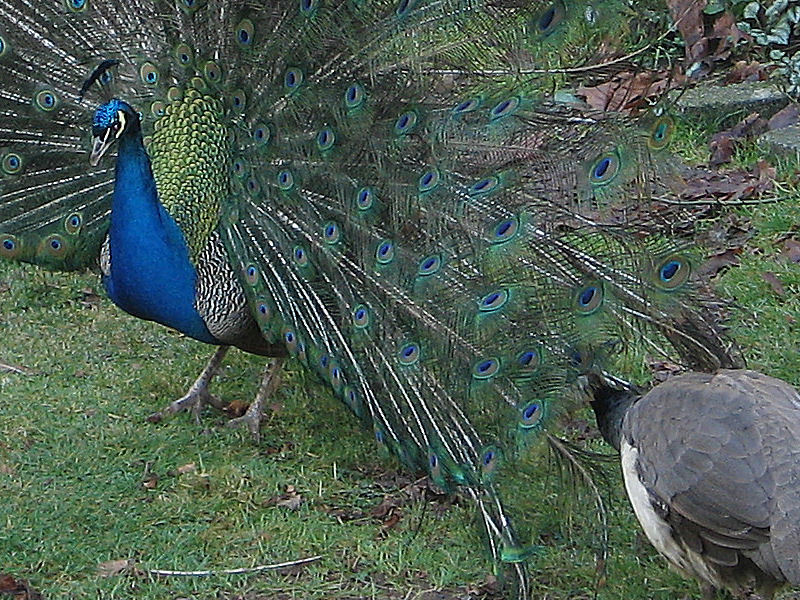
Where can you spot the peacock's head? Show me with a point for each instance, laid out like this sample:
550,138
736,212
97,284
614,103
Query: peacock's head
111,121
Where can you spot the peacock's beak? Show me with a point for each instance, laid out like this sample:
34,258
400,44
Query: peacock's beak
100,145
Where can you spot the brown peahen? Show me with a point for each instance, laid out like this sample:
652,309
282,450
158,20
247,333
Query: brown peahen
373,187
712,468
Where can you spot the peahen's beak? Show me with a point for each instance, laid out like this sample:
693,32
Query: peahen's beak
100,145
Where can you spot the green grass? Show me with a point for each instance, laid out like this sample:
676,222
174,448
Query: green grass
76,450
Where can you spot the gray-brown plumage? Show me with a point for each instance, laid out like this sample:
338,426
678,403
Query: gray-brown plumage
712,468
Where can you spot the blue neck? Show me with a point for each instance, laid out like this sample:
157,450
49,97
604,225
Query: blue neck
151,274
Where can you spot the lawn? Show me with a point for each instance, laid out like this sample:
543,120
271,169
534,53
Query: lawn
86,481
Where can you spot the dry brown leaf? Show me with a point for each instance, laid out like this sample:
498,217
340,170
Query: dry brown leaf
787,116
791,250
236,409
19,589
187,468
114,568
291,499
774,282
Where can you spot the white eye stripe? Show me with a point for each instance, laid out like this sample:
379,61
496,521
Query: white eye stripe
122,123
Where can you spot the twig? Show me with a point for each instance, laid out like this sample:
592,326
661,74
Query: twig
258,569
13,369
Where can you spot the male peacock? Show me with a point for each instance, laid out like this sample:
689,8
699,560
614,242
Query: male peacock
372,187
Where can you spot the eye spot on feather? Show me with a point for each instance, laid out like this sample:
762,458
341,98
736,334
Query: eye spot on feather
504,230
484,186
3,46
365,198
212,72
251,274
529,360
325,139
430,265
361,316
10,246
245,32
661,133
409,354
189,6
331,232
504,108
238,101
300,256
673,272
53,245
354,96
589,299
183,54
285,180
73,223
604,170
404,7
550,18
263,311
429,180
493,301
405,123
486,369
384,253
149,74
293,79
262,134
335,377
467,106
12,163
76,6
531,414
308,7
46,100
490,462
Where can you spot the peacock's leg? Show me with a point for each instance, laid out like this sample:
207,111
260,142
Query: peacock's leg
197,396
255,412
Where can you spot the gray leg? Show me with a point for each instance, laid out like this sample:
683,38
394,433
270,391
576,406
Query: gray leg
198,396
255,412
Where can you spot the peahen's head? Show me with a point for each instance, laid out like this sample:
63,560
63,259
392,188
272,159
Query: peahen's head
112,120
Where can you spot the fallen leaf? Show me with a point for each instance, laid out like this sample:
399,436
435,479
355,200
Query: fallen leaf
114,568
717,262
291,499
775,283
723,143
627,91
791,250
236,408
747,71
786,117
187,468
19,588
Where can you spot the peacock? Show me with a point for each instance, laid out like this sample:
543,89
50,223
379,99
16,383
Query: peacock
381,190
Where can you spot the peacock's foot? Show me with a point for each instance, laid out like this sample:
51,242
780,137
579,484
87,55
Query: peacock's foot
255,412
197,397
